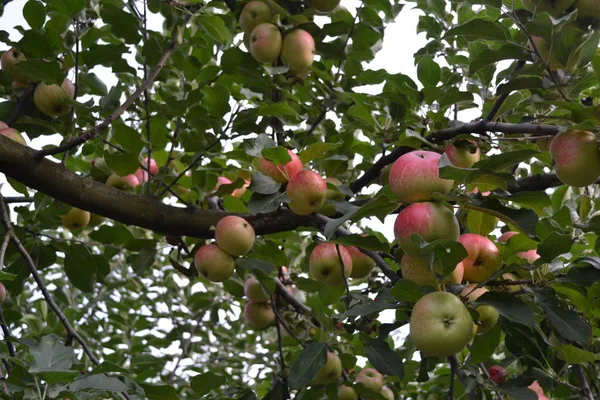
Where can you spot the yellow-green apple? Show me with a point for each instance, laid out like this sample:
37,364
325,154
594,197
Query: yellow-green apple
280,173
298,50
306,190
463,156
588,9
235,235
347,393
543,144
432,221
387,393
552,7
254,291
488,316
545,50
325,264
415,176
9,62
142,173
127,182
440,324
332,194
254,14
416,269
535,387
370,378
2,293
576,157
362,264
76,219
530,255
96,220
259,315
497,374
13,134
331,371
265,43
483,258
324,5
53,100
213,263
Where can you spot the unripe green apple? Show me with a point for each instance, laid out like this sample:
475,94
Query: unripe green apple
126,183
235,235
254,14
53,100
306,191
13,134
2,293
347,393
76,219
440,324
588,9
463,156
259,315
9,62
387,393
552,7
96,220
483,258
325,265
298,50
432,221
213,263
416,269
576,158
331,371
362,264
371,379
280,173
545,49
254,291
265,43
324,6
488,316
415,176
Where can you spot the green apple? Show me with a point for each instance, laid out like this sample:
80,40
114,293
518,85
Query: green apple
552,7
324,6
588,9
254,14
265,43
53,100
13,134
362,264
9,61
331,371
235,235
347,393
464,153
488,316
325,265
483,258
306,190
213,263
371,379
280,173
298,51
254,291
259,315
416,269
76,219
576,158
126,183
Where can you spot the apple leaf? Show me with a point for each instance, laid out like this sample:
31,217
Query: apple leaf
575,355
510,306
406,290
384,358
38,70
202,384
306,366
370,243
554,245
98,382
260,203
277,155
483,346
263,184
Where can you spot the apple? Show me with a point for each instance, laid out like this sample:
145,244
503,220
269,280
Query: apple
2,293
588,9
127,182
76,219
332,194
254,14
552,7
371,379
416,269
387,393
280,173
9,62
543,144
362,264
142,173
545,50
576,157
331,371
497,374
488,316
324,6
213,263
265,43
13,134
235,235
483,257
432,221
415,176
535,387
298,50
530,255
254,291
306,191
96,220
347,393
53,100
259,315
440,324
508,288
3,125
325,265
239,192
463,156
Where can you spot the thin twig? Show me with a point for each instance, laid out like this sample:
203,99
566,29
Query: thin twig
280,321
348,295
6,332
3,248
275,305
496,107
18,199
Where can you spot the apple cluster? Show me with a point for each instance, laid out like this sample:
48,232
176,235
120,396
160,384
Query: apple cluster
259,310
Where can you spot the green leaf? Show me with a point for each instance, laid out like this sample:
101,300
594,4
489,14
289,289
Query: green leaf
159,392
479,29
116,234
279,109
6,276
370,243
554,245
361,114
516,244
406,290
483,346
575,355
34,13
510,306
444,255
263,184
508,51
128,138
122,24
94,85
80,269
70,8
306,366
505,160
254,148
216,28
50,354
252,264
316,151
98,382
481,223
277,155
122,163
384,359
38,70
428,72
568,323
520,83
204,383
53,377
143,260
260,204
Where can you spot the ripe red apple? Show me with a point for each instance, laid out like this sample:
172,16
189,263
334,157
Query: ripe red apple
254,14
440,324
213,263
259,315
2,293
588,9
416,269
332,194
432,221
127,182
325,265
462,156
576,157
530,255
9,62
142,174
324,6
53,100
235,235
362,264
347,393
280,173
497,374
387,393
76,219
265,43
331,371
415,176
535,386
306,191
254,291
483,257
545,50
298,50
552,7
13,134
488,316
371,379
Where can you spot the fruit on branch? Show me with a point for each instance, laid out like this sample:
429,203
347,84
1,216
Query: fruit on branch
13,134
440,324
259,315
235,235
535,387
127,183
549,57
239,192
332,194
371,379
306,191
298,50
280,173
576,158
362,264
387,393
488,316
213,263
463,153
530,255
142,173
2,293
497,374
325,265
265,43
331,371
415,176
347,393
76,219
254,291
324,6
416,269
254,14
552,7
54,100
96,220
9,62
483,257
588,9
507,277
432,221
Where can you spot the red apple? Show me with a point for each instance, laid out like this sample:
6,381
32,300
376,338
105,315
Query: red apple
576,157
325,265
362,264
213,263
239,192
306,191
347,393
127,182
9,61
280,173
483,257
298,50
462,156
142,174
235,235
535,387
265,43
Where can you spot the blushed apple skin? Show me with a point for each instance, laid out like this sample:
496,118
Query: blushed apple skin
554,8
13,134
254,291
576,158
432,221
52,100
530,255
347,393
370,378
9,61
142,174
254,14
415,176
362,264
387,393
588,9
213,263
127,182
535,386
76,219
488,315
259,315
239,192
325,266
298,50
483,257
416,269
2,293
331,371
306,191
461,156
280,173
265,43
235,235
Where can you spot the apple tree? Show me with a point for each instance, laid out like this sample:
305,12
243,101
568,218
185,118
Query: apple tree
199,200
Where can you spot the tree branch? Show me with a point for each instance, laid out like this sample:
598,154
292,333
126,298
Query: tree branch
585,387
498,104
17,110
